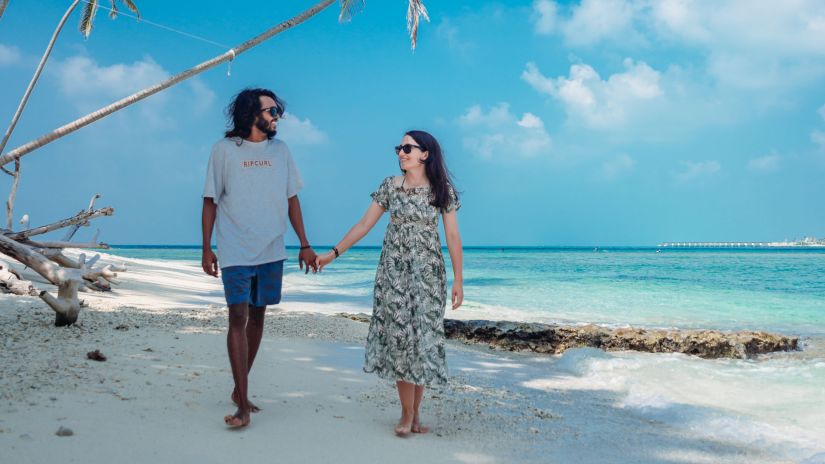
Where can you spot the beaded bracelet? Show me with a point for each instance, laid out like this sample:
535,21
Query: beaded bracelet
335,249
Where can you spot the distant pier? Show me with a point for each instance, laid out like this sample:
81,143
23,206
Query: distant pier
739,245
716,244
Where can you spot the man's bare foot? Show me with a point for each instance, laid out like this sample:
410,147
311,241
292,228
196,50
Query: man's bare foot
238,420
252,407
417,427
404,426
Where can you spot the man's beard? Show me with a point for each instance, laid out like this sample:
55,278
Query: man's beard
263,126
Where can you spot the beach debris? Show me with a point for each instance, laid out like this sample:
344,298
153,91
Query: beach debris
11,282
360,317
64,432
122,327
555,339
96,355
47,259
542,414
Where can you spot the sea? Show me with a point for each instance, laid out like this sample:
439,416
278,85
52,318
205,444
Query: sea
775,402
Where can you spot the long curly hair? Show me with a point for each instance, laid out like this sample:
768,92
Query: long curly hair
245,107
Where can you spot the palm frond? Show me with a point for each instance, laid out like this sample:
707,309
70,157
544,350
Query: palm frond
350,8
3,5
131,6
87,18
113,12
415,9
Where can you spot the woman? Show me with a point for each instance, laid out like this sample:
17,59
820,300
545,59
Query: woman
405,342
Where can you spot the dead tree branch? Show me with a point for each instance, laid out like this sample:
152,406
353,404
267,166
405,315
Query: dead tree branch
81,218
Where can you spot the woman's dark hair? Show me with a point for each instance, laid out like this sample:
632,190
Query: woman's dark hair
245,107
436,169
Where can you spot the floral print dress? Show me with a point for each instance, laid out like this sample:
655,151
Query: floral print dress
406,334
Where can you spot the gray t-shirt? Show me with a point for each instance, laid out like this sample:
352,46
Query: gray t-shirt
251,184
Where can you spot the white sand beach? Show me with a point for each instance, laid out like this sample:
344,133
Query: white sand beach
163,391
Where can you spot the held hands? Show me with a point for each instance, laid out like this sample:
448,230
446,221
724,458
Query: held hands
458,295
324,259
307,257
209,262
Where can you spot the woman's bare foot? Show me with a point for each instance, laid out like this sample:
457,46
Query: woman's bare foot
238,420
416,425
252,407
404,426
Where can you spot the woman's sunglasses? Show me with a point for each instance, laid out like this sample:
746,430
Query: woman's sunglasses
407,147
273,111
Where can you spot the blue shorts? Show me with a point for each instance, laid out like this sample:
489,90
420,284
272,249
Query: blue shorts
258,285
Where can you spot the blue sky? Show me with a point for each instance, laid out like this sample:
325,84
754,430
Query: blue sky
600,122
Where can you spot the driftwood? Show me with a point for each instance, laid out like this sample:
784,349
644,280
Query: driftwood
81,218
101,246
73,229
46,258
10,281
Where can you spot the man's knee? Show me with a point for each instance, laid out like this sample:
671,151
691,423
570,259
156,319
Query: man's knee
256,316
238,314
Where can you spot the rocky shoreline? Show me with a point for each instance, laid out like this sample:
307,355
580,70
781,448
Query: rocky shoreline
555,339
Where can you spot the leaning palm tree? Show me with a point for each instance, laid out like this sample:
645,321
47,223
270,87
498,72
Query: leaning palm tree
415,10
86,20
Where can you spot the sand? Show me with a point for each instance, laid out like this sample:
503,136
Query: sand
164,389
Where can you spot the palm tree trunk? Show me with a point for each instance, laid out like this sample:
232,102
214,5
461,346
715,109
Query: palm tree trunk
22,150
16,117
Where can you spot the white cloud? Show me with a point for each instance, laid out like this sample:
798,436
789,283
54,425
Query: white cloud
696,170
89,85
596,20
821,111
83,80
531,121
768,163
451,35
599,103
818,137
204,96
679,15
544,15
498,133
617,166
748,44
296,131
9,55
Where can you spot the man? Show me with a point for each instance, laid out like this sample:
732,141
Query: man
251,188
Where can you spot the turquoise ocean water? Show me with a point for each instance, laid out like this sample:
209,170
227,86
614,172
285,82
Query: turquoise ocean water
763,289
774,402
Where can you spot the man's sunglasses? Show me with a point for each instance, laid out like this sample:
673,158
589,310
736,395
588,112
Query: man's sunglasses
407,147
273,111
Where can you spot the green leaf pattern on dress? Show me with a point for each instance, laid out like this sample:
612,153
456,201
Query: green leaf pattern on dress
406,335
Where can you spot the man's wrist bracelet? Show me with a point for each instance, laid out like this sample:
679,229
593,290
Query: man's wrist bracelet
335,250
305,247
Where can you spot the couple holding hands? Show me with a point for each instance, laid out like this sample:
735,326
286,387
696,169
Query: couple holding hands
251,191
